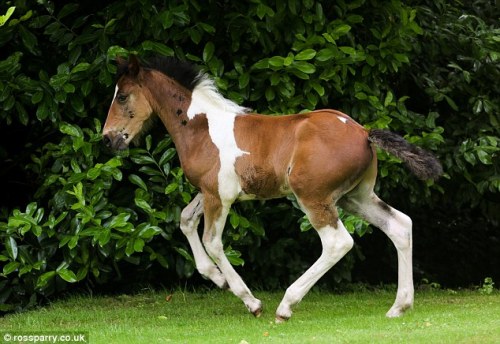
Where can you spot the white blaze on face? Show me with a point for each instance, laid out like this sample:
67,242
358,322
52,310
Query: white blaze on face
221,114
114,96
113,100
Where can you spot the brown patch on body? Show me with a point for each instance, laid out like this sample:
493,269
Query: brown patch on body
198,154
315,156
263,172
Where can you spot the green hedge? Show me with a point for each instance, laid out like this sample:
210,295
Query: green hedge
89,215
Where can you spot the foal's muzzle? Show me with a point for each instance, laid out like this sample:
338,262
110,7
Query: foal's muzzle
114,141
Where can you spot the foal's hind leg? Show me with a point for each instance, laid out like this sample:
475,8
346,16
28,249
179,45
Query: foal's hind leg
336,243
398,227
190,218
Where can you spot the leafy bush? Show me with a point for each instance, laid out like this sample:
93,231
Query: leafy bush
83,215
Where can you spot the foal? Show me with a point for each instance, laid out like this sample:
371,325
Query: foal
324,158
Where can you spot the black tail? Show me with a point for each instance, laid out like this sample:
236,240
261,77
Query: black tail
420,162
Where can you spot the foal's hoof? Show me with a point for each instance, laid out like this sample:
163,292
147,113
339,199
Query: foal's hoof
258,312
280,319
397,311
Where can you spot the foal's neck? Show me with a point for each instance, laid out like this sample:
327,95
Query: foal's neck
170,101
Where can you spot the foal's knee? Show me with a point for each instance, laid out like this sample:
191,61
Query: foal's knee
189,222
214,248
337,241
344,242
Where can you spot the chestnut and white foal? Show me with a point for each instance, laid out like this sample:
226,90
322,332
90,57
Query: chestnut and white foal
323,157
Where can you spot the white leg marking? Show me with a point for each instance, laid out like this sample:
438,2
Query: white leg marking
216,251
399,230
190,218
336,243
398,227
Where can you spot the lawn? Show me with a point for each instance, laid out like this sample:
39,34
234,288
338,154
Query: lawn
219,317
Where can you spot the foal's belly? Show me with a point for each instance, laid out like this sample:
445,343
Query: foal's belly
261,183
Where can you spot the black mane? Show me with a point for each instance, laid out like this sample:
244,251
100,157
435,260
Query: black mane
183,72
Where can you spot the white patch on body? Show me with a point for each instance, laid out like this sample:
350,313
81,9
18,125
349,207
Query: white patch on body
221,114
342,119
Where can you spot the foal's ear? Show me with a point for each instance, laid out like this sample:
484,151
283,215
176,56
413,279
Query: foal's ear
121,62
133,66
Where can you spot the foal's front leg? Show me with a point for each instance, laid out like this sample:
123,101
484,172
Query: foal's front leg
190,218
215,219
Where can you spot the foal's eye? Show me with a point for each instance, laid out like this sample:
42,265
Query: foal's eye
122,98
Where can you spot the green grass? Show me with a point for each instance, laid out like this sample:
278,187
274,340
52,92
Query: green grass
219,317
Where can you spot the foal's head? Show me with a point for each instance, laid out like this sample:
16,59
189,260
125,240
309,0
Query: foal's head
130,108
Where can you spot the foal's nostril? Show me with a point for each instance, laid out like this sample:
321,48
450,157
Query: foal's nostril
106,140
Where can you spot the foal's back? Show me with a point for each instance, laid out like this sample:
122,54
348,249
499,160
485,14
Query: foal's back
295,152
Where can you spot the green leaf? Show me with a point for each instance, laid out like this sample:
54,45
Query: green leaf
70,129
318,88
307,54
86,87
348,50
243,80
118,221
93,173
147,231
135,179
144,205
67,10
276,61
7,15
143,159
29,39
67,275
451,102
234,219
185,254
45,278
10,267
167,156
262,64
37,97
484,157
138,245
264,10
104,236
11,246
73,242
388,99
157,47
208,51
325,55
234,257
270,94
161,259
304,67
342,29
81,67
171,188
402,58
